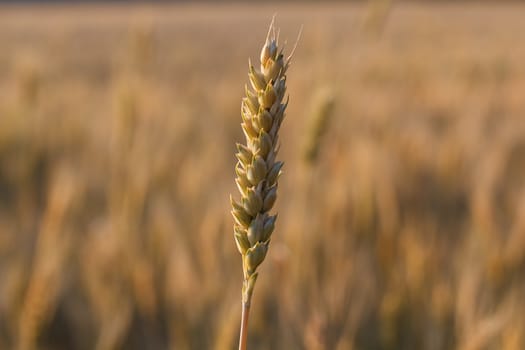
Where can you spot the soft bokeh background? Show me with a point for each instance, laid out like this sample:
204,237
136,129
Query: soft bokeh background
401,208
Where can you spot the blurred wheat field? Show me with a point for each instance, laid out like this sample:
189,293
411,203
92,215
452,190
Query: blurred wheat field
406,230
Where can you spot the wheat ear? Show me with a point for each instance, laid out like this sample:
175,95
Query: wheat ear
257,170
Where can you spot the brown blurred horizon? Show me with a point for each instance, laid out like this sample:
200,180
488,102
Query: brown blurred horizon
401,208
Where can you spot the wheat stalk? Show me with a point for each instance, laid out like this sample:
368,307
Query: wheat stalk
257,170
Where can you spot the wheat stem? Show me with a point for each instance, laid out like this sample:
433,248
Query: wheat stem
244,325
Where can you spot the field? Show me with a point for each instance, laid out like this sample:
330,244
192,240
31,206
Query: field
401,225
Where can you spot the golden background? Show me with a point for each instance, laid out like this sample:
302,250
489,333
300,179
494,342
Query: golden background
404,228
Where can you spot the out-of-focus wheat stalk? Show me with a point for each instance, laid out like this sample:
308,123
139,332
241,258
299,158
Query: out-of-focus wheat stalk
376,16
257,169
51,251
321,113
29,84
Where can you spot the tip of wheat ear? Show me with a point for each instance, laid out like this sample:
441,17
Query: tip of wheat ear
257,170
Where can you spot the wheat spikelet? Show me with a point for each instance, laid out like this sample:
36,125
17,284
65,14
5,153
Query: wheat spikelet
262,110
